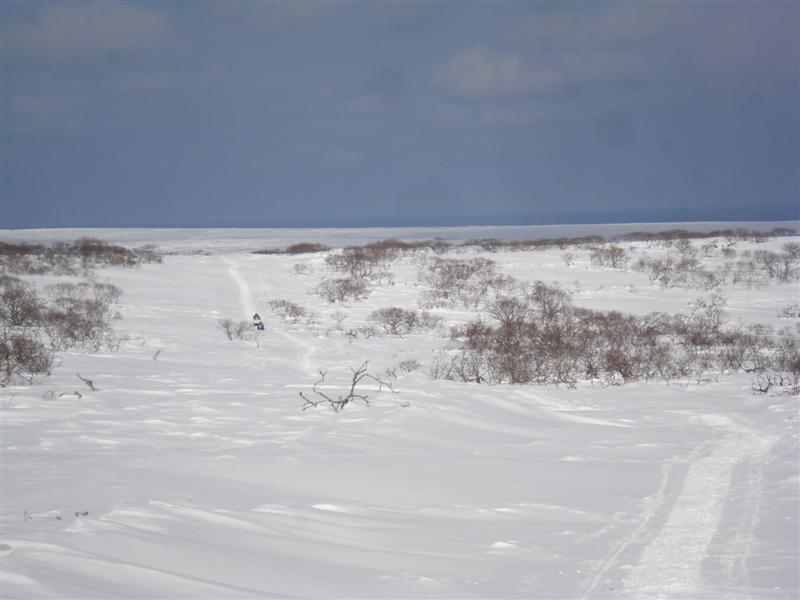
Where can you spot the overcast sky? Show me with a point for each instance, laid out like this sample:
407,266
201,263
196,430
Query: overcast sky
409,113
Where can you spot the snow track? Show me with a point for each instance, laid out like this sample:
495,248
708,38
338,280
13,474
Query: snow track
245,295
671,563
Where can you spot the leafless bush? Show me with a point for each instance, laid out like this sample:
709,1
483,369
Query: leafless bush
400,321
342,290
368,262
568,258
80,315
549,301
441,365
234,330
783,372
302,268
747,273
23,355
710,248
460,281
306,248
542,338
19,303
70,258
791,311
728,253
288,310
358,376
509,310
339,318
610,255
685,248
299,248
365,332
409,365
781,266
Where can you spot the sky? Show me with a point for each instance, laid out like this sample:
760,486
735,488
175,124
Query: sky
217,114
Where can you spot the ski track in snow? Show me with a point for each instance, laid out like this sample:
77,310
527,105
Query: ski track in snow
245,295
671,563
248,306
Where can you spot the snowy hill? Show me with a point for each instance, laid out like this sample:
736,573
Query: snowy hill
194,472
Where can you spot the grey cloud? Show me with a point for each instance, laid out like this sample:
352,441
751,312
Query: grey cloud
69,30
481,74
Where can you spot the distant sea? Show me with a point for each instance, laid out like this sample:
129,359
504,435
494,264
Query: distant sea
226,240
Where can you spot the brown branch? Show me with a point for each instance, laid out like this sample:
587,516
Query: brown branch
359,375
87,381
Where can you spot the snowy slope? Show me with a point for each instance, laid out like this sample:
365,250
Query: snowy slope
203,477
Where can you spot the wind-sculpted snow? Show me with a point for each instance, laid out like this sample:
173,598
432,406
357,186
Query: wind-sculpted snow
193,472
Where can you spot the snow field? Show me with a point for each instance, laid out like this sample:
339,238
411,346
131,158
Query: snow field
203,478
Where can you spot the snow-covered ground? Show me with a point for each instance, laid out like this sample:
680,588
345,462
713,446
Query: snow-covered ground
193,472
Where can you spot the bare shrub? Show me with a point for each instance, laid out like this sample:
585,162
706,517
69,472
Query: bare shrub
400,321
19,303
685,248
302,269
288,310
568,258
409,365
791,311
459,281
610,255
234,330
342,290
783,371
544,339
441,365
23,355
789,261
710,248
368,262
69,258
306,248
80,315
358,376
339,318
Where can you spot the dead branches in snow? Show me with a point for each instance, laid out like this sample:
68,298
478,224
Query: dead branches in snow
359,375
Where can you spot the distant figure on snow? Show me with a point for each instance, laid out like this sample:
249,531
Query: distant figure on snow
258,322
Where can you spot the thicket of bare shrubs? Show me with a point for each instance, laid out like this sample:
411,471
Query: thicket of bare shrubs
288,311
609,255
461,282
70,316
540,337
299,248
342,290
670,236
71,258
400,321
369,262
756,268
